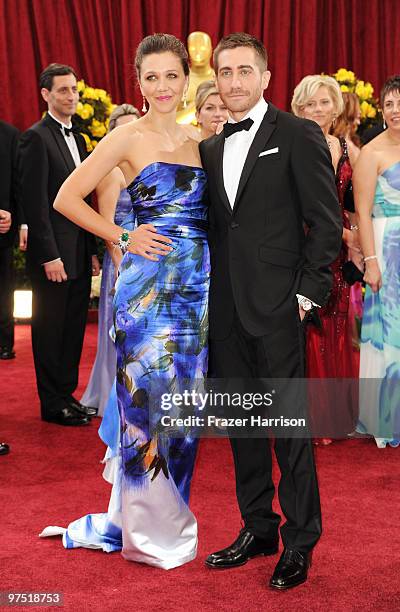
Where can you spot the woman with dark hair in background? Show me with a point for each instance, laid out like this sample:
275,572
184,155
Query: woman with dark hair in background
160,311
377,199
103,372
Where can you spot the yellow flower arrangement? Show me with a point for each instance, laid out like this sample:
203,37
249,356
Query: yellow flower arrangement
345,75
85,111
98,128
348,81
92,113
367,110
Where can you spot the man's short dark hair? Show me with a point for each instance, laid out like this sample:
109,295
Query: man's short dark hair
52,70
241,39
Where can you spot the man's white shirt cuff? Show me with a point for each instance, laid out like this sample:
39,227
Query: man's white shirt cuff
303,297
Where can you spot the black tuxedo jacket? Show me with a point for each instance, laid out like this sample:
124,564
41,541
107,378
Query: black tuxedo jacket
261,253
45,162
8,179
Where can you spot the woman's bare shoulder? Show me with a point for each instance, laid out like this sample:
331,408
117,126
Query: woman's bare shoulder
367,162
192,132
353,151
377,145
132,131
371,152
334,143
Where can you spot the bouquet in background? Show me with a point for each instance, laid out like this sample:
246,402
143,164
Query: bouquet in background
92,114
370,113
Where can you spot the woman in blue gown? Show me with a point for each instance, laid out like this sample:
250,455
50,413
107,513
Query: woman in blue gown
160,310
102,375
377,198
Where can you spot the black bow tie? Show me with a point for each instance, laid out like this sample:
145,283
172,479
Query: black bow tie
232,128
68,131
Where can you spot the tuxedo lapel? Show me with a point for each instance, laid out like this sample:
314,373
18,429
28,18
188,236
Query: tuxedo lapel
262,136
62,145
80,143
219,170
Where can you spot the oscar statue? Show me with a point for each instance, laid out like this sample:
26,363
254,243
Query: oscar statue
200,51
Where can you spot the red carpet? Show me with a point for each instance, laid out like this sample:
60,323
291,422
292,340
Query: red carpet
53,476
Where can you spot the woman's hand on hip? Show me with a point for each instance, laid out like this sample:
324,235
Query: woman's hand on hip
147,242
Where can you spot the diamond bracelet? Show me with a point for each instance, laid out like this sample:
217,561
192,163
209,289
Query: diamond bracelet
124,242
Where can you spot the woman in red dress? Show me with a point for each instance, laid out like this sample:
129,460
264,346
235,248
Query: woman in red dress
346,126
329,347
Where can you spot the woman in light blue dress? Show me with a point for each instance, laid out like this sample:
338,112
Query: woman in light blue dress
103,372
159,312
377,198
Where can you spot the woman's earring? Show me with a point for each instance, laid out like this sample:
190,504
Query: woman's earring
334,121
184,100
384,124
144,108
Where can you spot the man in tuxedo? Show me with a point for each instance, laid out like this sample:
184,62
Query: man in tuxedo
8,228
60,256
269,173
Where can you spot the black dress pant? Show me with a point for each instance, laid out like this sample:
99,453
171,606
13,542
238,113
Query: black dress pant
59,313
277,355
6,297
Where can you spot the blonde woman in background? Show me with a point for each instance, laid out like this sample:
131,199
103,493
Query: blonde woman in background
210,110
103,372
329,347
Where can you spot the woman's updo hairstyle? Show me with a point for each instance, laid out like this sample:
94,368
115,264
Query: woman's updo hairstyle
161,43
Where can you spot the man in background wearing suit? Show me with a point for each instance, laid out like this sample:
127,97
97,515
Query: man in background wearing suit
6,330
60,255
268,174
8,228
8,225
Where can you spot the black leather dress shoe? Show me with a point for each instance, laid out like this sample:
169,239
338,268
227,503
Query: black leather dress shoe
89,411
245,547
4,448
291,570
6,353
67,416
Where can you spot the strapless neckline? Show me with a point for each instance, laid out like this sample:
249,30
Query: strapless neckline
389,168
160,163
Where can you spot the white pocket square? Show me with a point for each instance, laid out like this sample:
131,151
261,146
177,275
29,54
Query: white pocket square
269,152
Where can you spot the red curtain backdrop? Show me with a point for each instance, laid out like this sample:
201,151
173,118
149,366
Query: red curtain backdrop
99,37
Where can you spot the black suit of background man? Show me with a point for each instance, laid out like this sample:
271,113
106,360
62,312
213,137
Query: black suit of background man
261,257
8,202
59,308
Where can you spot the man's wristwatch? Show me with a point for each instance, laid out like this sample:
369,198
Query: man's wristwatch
305,305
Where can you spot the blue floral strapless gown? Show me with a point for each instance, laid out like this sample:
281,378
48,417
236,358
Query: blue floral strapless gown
380,333
161,326
103,372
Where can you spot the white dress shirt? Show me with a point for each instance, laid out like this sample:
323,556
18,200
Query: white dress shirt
73,147
70,140
236,149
